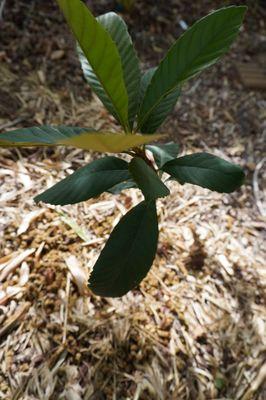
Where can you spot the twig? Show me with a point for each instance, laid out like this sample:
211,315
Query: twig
14,263
14,319
66,307
256,188
17,120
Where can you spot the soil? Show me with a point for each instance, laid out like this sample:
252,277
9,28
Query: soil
195,328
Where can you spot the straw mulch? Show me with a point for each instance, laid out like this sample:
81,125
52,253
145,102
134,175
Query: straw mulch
195,328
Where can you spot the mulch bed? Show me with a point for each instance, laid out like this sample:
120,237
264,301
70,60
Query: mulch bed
195,328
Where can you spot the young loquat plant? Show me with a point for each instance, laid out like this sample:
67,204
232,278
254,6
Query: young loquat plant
139,102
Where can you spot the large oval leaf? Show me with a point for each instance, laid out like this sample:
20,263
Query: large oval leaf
83,138
159,113
147,180
144,82
117,29
108,142
101,52
128,254
207,171
87,182
117,189
199,47
39,135
163,153
164,107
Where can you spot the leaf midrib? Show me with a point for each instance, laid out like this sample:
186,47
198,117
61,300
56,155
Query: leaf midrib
132,244
123,123
144,119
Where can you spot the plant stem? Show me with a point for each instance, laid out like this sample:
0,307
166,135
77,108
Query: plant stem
142,154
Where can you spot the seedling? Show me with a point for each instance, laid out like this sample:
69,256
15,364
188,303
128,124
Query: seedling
140,103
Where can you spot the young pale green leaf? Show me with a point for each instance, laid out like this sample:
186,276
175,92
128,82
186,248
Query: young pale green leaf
117,189
117,29
128,254
199,47
108,142
207,171
39,135
83,138
147,179
101,52
164,107
87,182
163,152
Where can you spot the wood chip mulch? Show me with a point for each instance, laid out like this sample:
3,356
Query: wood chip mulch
196,326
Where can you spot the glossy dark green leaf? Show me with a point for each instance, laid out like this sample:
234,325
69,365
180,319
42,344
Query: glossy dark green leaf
164,107
199,47
145,81
39,135
163,153
87,182
159,113
117,29
117,189
101,52
128,254
207,171
147,179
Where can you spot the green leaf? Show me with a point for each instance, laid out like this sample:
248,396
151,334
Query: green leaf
159,113
164,107
145,81
101,52
73,136
108,142
220,382
39,135
207,171
77,229
198,48
117,189
117,29
163,152
147,179
128,254
87,182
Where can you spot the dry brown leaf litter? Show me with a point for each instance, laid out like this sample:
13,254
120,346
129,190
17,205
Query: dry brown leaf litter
195,329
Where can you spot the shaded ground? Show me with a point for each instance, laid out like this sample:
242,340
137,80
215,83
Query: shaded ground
195,329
